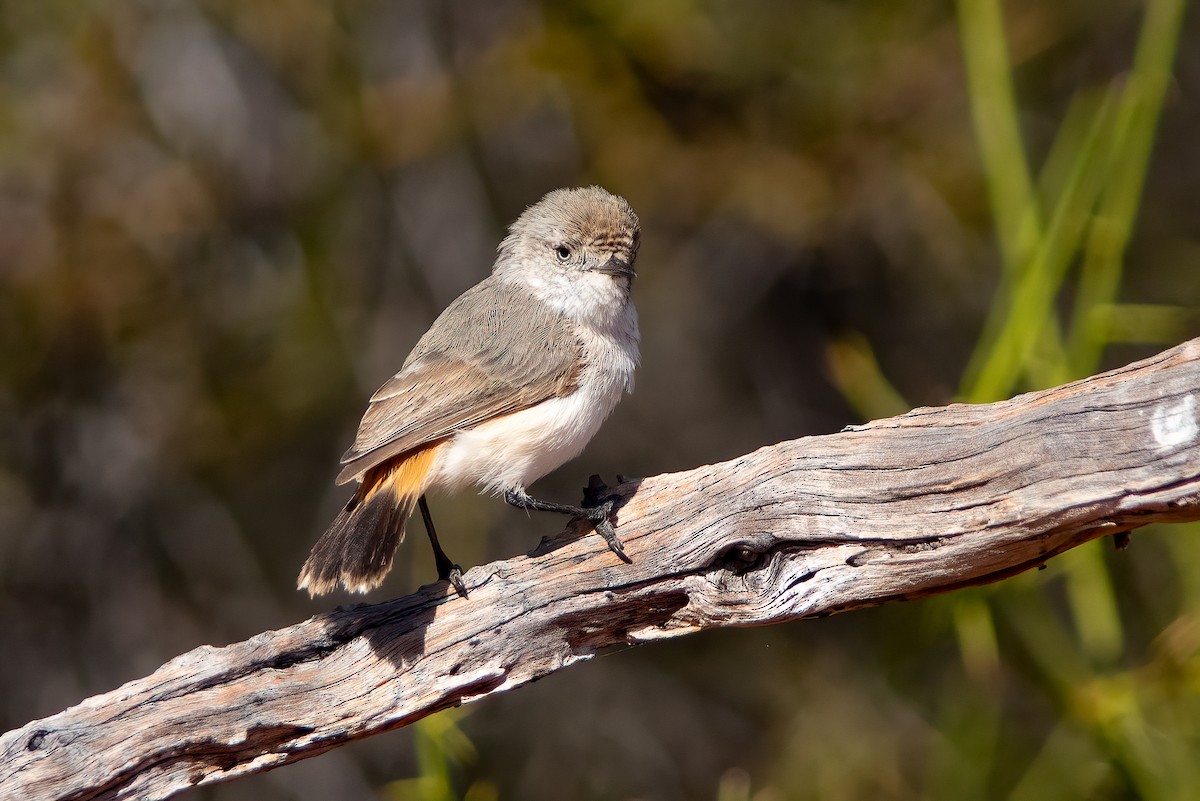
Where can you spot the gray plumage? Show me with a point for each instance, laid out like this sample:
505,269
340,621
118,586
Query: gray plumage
495,350
510,381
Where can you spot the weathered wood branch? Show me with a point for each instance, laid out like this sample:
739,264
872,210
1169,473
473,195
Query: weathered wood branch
914,505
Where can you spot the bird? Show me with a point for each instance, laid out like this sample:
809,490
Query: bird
511,381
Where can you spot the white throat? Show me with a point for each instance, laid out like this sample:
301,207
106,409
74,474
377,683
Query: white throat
513,451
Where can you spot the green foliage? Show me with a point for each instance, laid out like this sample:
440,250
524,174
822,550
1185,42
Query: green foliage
1125,720
1084,213
442,750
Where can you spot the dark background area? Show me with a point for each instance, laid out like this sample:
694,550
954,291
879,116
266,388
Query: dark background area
224,224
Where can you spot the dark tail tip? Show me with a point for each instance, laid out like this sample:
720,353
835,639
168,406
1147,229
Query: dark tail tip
357,550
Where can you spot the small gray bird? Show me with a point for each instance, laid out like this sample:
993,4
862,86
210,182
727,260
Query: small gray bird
513,379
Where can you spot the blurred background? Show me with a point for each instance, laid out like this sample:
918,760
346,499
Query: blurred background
223,224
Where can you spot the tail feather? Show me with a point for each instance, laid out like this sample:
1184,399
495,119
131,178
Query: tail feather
357,550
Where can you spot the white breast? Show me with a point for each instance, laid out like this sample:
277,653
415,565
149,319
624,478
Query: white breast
513,451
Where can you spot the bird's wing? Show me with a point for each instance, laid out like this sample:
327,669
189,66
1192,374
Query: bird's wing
494,351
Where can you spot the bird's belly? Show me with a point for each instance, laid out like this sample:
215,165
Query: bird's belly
513,451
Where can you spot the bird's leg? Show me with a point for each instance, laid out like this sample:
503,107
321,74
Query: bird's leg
447,570
598,515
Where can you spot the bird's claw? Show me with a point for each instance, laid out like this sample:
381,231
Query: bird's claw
599,512
605,530
455,576
599,505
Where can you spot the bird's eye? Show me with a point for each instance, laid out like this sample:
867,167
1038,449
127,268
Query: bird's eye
563,252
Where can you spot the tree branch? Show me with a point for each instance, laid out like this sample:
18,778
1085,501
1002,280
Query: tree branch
914,505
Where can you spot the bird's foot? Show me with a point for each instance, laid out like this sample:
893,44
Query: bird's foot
448,571
605,529
598,504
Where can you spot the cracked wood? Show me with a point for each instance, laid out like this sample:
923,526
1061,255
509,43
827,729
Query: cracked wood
910,506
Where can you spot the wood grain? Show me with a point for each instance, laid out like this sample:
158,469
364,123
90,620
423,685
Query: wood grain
918,504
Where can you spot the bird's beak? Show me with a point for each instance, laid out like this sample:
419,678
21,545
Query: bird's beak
617,266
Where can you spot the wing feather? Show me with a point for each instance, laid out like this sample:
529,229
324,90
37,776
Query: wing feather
494,351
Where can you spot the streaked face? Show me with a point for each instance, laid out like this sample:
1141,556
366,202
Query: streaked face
582,230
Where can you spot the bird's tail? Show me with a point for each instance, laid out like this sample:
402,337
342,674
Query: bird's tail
357,550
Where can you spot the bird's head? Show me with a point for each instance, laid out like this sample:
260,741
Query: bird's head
582,240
